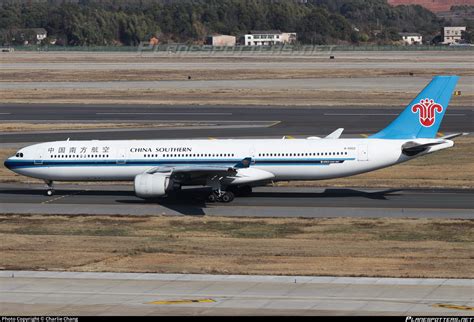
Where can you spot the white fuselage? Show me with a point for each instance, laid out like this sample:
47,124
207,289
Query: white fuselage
286,159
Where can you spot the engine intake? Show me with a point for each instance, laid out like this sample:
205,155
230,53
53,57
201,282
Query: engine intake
152,185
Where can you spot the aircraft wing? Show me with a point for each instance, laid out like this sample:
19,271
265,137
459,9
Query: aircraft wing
336,134
193,169
202,169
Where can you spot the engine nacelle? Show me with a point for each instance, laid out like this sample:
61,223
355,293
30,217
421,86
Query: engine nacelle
152,185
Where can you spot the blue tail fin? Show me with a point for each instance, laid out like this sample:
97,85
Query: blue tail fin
423,116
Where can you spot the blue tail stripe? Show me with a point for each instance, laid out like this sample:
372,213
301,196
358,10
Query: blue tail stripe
410,124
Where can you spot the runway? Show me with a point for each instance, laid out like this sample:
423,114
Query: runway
263,202
257,121
75,293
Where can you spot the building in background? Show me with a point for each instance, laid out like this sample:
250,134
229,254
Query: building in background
268,38
412,38
41,34
26,36
154,41
452,35
220,40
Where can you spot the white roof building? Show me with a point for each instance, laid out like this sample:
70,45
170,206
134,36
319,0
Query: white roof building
268,38
452,35
220,40
412,38
41,33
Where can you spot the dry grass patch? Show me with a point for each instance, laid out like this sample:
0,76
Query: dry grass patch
339,246
68,75
288,97
26,127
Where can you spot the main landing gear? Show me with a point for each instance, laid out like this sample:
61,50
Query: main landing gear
229,194
50,190
222,196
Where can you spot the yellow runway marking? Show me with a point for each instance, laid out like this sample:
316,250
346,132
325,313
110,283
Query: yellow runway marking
183,302
440,134
364,135
454,307
61,197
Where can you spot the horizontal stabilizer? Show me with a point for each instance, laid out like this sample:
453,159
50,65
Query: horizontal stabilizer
452,136
336,134
412,148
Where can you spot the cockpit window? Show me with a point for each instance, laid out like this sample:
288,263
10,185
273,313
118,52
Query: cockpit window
19,155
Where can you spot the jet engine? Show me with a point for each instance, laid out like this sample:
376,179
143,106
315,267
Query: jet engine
152,185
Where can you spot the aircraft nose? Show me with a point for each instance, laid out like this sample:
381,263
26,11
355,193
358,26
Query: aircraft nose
8,163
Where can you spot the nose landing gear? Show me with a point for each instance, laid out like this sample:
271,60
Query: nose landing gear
50,191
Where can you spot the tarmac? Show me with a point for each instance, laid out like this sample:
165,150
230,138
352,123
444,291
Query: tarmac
85,293
230,121
374,84
94,199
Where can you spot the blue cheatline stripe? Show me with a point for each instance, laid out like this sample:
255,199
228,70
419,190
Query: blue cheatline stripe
16,164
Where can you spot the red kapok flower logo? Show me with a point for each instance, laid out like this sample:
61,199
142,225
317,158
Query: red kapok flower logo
427,109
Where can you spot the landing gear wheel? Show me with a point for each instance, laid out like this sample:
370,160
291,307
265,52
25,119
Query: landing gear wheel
50,186
212,197
228,196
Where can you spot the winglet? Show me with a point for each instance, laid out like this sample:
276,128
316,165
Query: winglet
245,163
336,134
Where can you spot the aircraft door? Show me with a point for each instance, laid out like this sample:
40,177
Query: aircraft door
39,156
362,153
122,156
252,152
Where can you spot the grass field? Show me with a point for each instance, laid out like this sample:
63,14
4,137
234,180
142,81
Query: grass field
47,75
24,126
340,246
245,97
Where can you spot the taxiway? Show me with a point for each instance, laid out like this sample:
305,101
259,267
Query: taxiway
76,293
264,202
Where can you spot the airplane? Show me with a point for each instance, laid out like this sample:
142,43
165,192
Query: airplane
232,167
